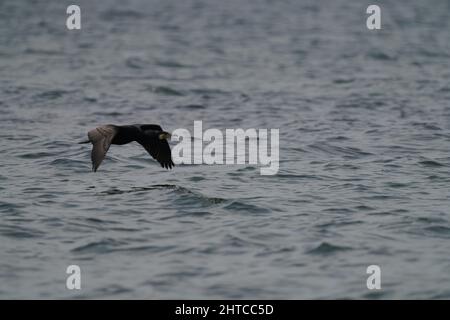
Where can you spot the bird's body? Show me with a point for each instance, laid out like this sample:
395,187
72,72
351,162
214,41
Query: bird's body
150,136
127,134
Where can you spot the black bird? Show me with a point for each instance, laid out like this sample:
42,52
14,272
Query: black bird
150,136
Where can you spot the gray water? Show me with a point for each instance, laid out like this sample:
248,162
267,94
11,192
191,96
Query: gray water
364,123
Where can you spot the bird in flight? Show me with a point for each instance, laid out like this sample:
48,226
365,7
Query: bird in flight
150,136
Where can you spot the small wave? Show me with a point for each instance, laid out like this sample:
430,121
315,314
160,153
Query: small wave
357,104
298,177
136,63
444,295
364,208
65,162
110,113
326,248
111,290
431,220
375,295
57,144
137,189
112,14
336,150
33,189
377,55
191,196
338,138
192,107
343,81
111,245
386,213
338,210
42,52
19,232
171,64
51,94
10,207
247,168
193,179
431,164
209,92
35,155
102,246
427,126
167,91
238,241
246,207
397,185
438,230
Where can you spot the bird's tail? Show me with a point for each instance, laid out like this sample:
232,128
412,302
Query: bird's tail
87,141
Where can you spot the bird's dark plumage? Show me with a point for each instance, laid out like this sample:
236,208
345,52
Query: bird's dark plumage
150,136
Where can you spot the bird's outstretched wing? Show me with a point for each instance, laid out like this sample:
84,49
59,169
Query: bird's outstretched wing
100,138
159,150
150,127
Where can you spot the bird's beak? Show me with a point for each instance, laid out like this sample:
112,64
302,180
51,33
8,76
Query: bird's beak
165,135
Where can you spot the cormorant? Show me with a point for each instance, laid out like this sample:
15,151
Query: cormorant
150,136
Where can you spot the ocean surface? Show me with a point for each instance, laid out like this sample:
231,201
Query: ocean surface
364,120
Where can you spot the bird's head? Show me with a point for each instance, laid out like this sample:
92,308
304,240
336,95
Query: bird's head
164,136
